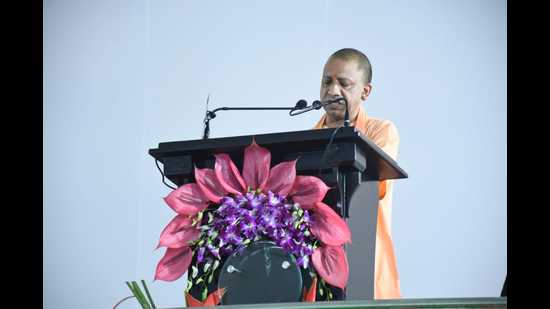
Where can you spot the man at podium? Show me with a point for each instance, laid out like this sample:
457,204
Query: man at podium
348,73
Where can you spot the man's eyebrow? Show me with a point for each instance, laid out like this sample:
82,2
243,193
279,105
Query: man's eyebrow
340,78
344,78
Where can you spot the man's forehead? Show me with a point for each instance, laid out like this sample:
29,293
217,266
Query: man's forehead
337,67
340,75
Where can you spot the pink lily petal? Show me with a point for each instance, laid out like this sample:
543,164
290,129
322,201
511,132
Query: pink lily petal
174,263
179,232
187,199
308,190
228,174
328,226
332,264
281,178
257,160
209,184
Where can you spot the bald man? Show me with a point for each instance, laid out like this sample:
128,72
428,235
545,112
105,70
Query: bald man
348,73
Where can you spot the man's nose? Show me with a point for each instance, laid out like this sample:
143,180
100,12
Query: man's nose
333,89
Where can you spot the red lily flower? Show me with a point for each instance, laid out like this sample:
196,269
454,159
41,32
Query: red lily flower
212,300
310,295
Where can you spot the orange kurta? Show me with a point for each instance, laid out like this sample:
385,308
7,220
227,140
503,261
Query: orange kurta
384,134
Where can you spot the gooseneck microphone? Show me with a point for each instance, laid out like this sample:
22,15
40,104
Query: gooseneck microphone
300,108
314,105
212,114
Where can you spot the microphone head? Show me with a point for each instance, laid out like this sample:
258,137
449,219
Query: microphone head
316,104
301,104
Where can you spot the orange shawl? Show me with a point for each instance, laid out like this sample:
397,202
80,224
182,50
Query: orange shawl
384,134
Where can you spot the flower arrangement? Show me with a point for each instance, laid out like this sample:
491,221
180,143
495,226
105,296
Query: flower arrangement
224,211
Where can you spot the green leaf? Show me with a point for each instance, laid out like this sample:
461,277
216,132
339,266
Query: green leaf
139,295
130,287
321,291
199,280
195,271
199,216
204,294
246,241
206,266
216,264
329,295
210,278
210,217
148,294
189,285
136,295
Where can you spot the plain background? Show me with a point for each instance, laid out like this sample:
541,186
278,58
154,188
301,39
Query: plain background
122,76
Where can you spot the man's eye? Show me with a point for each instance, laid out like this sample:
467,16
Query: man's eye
326,82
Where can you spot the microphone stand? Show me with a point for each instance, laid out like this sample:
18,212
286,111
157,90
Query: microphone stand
212,114
346,115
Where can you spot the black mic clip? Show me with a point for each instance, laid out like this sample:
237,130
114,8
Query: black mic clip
301,107
209,116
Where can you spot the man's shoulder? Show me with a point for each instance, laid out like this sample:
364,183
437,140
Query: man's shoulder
378,122
383,133
377,126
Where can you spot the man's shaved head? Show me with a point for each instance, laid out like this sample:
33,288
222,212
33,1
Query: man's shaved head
363,63
347,73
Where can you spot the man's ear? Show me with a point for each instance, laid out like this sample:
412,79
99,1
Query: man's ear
366,91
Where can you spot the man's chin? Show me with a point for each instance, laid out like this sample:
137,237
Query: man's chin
335,114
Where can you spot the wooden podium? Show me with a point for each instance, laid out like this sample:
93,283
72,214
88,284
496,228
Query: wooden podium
353,165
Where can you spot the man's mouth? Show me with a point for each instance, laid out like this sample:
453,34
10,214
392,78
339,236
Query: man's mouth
335,100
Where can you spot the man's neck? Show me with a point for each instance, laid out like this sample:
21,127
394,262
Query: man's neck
330,123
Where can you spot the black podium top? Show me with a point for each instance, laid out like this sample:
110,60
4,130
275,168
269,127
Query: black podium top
377,164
